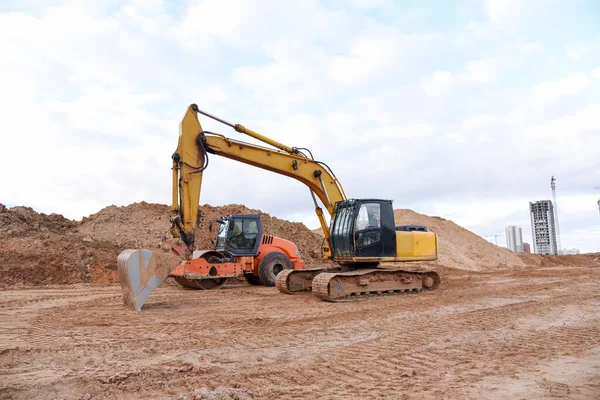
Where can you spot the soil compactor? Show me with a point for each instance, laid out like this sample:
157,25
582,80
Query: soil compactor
240,250
361,233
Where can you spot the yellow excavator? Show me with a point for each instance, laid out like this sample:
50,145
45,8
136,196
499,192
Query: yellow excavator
361,234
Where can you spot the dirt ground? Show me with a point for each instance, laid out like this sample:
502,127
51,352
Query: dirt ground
518,333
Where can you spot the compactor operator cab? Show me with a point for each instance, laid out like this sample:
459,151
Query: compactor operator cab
363,228
239,235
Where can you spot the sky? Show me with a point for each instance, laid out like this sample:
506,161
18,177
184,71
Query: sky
460,109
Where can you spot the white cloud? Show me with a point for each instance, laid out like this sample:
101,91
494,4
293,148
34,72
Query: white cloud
477,72
573,128
95,92
499,11
480,71
508,14
368,4
286,79
438,83
528,48
377,49
546,93
577,52
224,20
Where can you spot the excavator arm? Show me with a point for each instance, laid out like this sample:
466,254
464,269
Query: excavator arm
191,158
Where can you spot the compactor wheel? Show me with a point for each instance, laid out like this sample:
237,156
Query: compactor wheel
271,265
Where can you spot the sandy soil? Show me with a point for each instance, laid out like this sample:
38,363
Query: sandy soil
531,333
41,249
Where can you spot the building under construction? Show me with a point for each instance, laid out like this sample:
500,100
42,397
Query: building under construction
543,227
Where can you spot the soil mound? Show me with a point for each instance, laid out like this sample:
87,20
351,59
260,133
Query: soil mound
56,259
40,249
143,224
138,225
24,221
459,247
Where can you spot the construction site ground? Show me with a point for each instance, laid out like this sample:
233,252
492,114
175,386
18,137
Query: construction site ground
530,332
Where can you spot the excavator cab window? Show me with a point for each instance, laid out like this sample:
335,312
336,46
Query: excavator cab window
342,227
243,235
368,225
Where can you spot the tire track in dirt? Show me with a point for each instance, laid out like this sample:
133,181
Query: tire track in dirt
367,365
438,344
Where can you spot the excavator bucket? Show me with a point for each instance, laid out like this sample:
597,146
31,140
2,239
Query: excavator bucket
140,273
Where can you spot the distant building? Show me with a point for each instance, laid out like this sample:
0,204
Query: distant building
514,239
543,229
526,248
569,252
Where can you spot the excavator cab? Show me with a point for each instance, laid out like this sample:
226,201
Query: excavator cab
363,228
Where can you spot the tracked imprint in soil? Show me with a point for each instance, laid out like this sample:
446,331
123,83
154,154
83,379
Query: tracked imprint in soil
471,338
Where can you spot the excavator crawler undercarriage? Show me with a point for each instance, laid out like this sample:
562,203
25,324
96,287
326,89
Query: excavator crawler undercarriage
334,285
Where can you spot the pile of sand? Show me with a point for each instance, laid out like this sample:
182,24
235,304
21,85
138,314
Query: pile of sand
463,249
459,247
39,249
142,225
24,221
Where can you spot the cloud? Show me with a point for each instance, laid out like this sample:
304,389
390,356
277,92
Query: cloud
438,83
377,49
528,48
476,72
546,93
442,116
577,52
508,14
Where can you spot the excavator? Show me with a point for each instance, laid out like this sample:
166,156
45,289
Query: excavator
361,235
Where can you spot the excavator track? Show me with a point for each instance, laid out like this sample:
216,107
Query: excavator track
338,286
292,281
